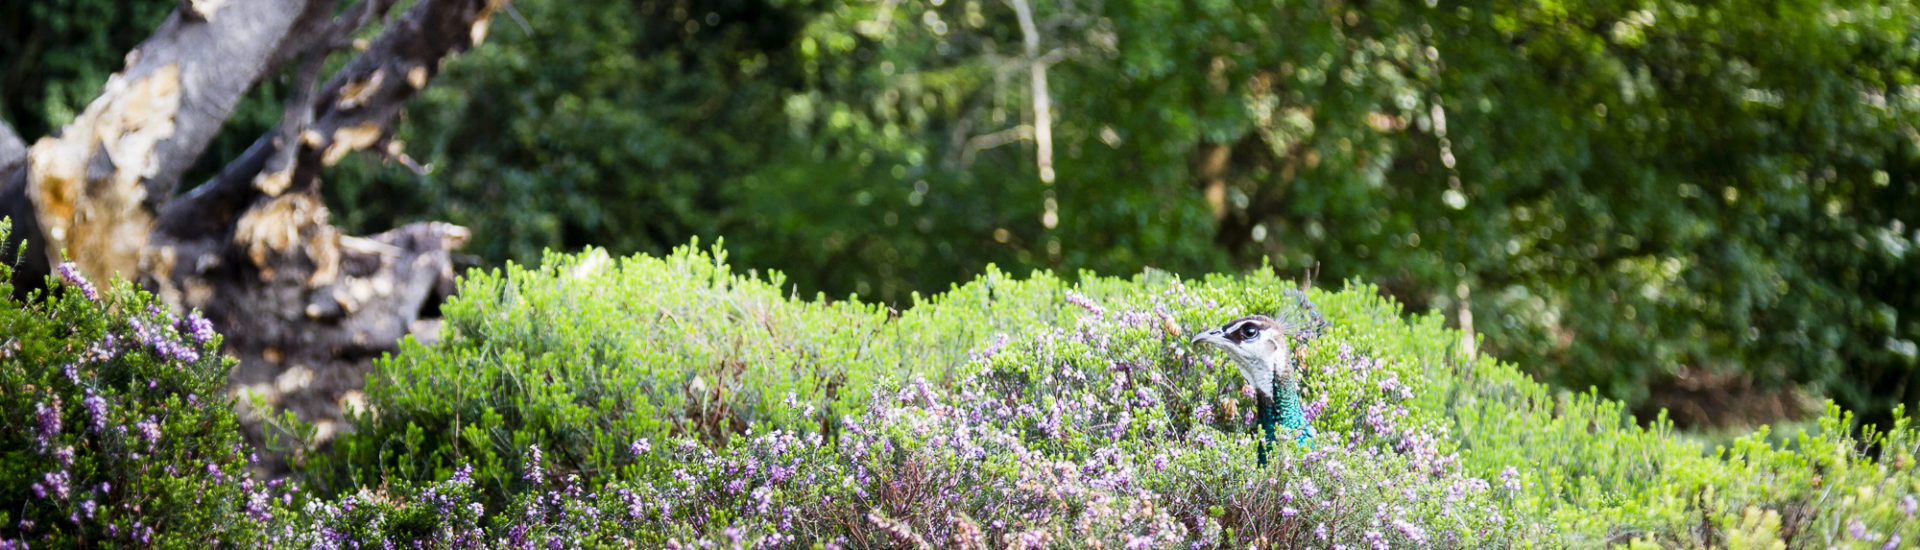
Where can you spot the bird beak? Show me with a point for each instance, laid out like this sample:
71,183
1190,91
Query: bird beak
1216,337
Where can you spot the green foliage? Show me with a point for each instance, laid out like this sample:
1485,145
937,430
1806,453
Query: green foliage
115,428
829,140
586,355
1626,191
1616,192
844,421
56,56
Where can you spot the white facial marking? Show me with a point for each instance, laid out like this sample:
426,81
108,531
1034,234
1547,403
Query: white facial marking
1256,347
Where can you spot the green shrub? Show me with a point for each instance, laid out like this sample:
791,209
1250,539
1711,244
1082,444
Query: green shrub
864,426
1594,477
585,356
115,428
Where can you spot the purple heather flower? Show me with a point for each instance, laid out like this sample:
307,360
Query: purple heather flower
1288,512
1312,410
1320,531
97,407
1856,529
1892,543
533,472
641,446
1909,505
200,328
71,274
999,341
1392,386
55,482
49,423
184,354
1411,531
64,454
1510,479
149,430
1085,303
1378,419
1375,539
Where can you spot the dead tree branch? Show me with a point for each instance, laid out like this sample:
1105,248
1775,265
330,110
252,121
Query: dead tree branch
95,186
254,245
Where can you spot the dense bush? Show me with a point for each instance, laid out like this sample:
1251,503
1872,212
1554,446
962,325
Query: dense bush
1003,413
586,354
1007,412
115,426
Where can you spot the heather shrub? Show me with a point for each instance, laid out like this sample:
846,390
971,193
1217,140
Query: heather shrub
115,428
1592,477
576,406
586,354
923,467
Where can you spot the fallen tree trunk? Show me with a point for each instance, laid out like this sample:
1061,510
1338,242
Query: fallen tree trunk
304,306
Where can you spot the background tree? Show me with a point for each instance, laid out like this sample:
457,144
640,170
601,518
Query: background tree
1667,201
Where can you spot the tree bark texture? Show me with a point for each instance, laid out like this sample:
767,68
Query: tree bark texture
304,306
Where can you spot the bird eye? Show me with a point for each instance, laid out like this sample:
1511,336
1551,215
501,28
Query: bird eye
1249,332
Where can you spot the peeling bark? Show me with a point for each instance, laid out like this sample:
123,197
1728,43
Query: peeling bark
96,184
87,185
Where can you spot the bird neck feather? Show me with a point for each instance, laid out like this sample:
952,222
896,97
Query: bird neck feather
1281,407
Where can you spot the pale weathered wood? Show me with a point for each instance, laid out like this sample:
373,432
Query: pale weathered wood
304,306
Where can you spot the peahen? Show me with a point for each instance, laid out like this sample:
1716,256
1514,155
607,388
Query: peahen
1262,346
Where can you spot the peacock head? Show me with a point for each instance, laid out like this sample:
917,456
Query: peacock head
1258,345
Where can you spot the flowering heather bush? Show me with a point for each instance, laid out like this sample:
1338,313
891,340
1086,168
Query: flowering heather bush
1033,413
927,468
586,355
114,428
665,403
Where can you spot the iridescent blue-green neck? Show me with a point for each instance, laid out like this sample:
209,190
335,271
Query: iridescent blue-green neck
1283,411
